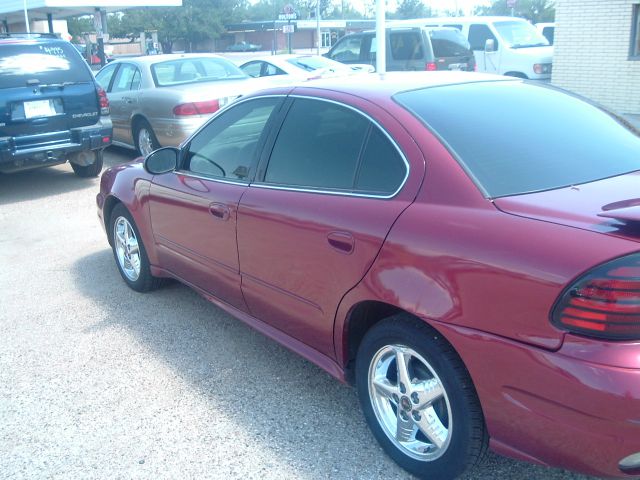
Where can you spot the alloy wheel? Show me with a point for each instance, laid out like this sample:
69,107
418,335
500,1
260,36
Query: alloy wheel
127,248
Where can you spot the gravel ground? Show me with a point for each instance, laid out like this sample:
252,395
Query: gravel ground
97,381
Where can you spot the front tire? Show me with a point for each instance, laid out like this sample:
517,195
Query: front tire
129,252
419,400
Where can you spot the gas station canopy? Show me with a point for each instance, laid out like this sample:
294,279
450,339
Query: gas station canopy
12,11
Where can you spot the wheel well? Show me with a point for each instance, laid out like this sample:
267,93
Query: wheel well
516,74
135,121
109,204
362,318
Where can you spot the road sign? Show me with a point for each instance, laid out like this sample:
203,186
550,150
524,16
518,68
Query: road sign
287,16
288,28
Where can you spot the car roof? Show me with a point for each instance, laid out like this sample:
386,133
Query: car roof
151,59
389,84
28,39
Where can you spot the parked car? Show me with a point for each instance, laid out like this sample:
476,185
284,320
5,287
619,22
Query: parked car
244,47
51,108
408,48
479,285
300,67
547,30
160,100
505,45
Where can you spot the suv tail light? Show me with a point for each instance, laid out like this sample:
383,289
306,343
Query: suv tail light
603,303
103,101
431,67
196,108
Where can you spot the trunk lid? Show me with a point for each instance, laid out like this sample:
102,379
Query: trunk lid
610,206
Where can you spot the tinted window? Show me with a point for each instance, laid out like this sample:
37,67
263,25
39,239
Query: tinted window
124,78
105,75
347,49
54,62
560,141
382,169
449,43
478,36
406,46
270,70
226,147
318,146
192,70
548,33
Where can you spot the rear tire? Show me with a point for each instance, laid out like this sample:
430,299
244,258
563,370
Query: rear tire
145,138
129,252
92,170
419,400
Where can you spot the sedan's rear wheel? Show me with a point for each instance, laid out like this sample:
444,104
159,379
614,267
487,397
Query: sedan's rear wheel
418,399
129,252
146,141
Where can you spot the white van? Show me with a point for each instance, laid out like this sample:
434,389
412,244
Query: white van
503,45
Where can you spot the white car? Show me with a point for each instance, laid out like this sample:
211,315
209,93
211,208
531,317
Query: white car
301,67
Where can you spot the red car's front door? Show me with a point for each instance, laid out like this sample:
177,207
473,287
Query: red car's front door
312,225
193,210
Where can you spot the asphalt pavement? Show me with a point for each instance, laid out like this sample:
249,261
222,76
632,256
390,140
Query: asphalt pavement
98,381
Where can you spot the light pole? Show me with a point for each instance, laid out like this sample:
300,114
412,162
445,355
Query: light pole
26,16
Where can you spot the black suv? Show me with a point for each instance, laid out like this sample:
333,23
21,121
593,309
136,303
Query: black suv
51,108
408,48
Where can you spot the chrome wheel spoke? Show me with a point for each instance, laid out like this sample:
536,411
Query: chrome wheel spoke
385,389
127,248
405,428
402,360
426,392
432,428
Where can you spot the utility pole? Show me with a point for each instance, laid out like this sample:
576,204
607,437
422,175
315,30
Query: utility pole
26,16
318,34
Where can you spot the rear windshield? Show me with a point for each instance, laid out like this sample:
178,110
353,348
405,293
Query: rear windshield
46,63
516,137
194,70
449,43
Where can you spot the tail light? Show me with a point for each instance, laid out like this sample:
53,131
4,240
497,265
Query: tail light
431,67
603,303
196,108
103,101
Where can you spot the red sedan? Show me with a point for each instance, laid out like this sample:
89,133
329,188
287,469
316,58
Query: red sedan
463,248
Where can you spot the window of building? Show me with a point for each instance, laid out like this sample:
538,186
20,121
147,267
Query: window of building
635,33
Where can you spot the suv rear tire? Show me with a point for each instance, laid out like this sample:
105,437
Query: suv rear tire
92,170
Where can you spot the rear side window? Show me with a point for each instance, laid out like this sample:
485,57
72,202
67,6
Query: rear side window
406,46
449,43
326,146
559,142
478,36
46,63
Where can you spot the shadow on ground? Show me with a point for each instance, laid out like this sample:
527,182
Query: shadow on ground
49,181
280,399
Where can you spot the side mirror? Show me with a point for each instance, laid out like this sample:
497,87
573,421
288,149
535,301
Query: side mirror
490,46
162,160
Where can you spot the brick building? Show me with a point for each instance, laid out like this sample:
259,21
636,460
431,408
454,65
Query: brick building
597,51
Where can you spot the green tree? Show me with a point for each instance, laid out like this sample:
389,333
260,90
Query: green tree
408,9
79,25
533,10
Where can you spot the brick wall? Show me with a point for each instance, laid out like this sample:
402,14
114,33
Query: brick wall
591,52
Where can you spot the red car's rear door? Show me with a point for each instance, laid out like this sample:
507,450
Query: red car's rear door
193,210
328,192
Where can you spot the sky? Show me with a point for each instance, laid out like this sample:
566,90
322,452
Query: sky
438,6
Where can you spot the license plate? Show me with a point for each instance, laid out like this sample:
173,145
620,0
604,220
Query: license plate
39,108
457,66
